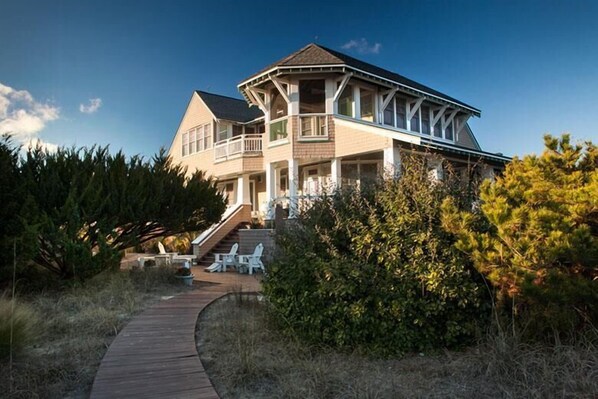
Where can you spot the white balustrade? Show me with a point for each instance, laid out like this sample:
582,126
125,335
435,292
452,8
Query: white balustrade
239,145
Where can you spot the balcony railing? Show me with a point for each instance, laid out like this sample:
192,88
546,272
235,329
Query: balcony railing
238,146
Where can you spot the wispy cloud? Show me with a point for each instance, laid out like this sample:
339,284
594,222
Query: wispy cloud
94,105
22,116
362,46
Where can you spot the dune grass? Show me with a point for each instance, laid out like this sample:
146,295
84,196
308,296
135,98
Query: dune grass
75,328
246,357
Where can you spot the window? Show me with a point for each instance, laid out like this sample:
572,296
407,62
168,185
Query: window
400,113
278,130
415,122
345,102
313,126
438,129
389,114
278,108
185,144
448,132
367,105
237,130
207,136
222,131
312,96
425,111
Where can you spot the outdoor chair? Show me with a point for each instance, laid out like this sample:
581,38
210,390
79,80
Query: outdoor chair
174,256
223,260
251,262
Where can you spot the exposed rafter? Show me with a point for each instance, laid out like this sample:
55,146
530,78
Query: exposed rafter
281,89
342,86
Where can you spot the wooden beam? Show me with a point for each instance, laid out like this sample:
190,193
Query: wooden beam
342,86
436,118
413,109
390,95
281,89
257,99
447,121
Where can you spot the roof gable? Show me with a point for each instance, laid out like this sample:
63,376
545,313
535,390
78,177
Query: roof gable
228,108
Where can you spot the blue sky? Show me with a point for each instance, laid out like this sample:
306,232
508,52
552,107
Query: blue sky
121,72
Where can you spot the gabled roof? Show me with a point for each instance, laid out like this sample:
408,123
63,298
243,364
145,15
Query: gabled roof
314,54
228,108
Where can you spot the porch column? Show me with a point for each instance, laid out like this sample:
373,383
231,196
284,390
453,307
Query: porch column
392,161
335,173
488,172
293,185
243,195
270,190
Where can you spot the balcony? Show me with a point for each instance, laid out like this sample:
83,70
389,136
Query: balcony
239,146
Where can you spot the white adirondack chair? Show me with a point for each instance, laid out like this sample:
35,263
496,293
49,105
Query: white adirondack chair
174,256
253,261
223,260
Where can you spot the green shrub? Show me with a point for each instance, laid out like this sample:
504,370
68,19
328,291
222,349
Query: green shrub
535,237
24,324
374,269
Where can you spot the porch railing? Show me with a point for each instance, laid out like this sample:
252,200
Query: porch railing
239,145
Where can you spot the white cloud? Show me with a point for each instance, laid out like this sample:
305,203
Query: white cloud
22,116
362,46
94,105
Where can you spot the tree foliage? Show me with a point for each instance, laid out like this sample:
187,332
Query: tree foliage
373,268
88,204
535,236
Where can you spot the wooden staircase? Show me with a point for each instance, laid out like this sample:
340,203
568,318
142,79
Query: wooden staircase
223,246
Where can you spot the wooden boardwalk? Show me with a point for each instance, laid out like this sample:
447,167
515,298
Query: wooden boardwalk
155,355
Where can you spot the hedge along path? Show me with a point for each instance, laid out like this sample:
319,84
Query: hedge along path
155,355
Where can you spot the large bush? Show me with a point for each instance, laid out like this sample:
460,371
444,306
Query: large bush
77,209
535,236
373,268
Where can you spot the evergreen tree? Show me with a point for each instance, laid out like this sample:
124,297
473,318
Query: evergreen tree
535,236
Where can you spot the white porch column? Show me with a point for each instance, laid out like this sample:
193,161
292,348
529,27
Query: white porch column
392,161
435,170
488,172
243,195
270,190
335,173
293,185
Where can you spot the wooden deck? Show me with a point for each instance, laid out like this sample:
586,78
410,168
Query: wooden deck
155,355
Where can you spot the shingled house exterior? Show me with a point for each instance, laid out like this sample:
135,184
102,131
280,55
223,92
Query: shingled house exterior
316,120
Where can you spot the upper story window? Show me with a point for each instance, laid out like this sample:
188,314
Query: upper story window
312,96
425,113
401,113
237,130
367,104
438,129
197,139
278,106
345,101
415,121
389,114
448,132
223,131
